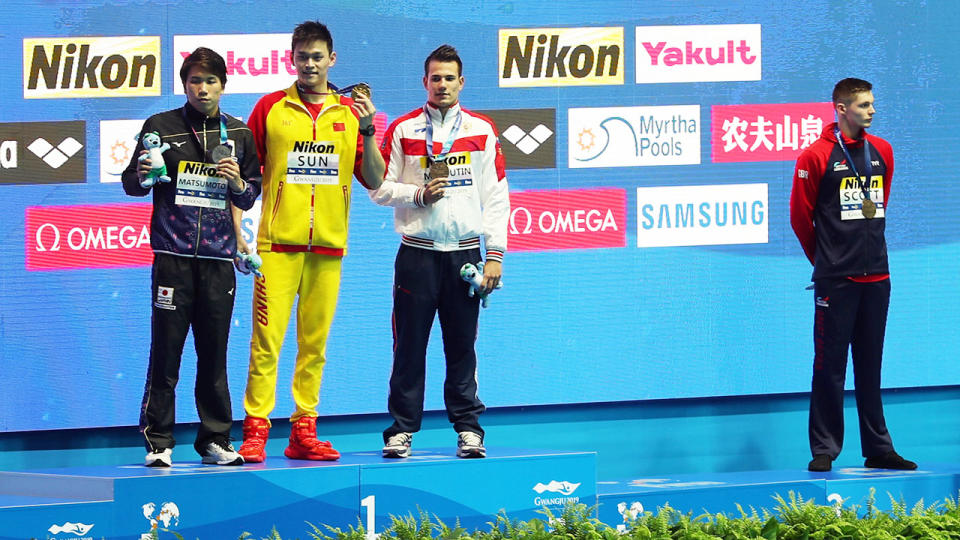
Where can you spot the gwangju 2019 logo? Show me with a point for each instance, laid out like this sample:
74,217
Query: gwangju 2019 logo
562,491
634,136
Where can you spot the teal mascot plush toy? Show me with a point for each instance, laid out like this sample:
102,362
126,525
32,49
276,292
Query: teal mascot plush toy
158,169
474,276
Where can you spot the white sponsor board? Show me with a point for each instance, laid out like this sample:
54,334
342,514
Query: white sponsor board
634,136
256,63
118,140
702,215
698,53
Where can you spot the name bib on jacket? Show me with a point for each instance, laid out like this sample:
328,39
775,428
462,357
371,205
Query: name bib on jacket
851,197
313,162
461,170
199,185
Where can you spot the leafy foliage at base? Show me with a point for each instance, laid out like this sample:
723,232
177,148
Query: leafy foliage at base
791,519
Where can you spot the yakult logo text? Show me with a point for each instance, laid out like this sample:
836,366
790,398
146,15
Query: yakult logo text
722,52
561,56
567,219
256,63
101,236
91,67
771,132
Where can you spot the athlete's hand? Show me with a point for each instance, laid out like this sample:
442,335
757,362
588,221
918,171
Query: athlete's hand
144,167
492,272
433,191
364,109
229,168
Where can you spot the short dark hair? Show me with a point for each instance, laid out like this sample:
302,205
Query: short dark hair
845,90
310,31
443,53
206,59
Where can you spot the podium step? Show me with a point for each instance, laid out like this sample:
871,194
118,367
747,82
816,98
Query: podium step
723,492
207,501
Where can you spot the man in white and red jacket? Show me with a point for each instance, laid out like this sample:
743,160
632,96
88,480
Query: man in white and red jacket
841,186
445,178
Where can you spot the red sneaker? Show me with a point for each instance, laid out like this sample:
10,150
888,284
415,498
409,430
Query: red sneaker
256,431
304,443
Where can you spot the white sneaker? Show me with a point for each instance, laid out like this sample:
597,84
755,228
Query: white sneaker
398,446
221,452
470,445
160,457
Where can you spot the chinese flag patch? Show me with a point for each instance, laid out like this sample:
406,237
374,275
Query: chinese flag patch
339,126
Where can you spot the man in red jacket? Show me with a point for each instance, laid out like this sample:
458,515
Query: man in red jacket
838,211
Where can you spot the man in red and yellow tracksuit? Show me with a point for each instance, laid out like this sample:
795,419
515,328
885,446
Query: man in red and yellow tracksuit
311,141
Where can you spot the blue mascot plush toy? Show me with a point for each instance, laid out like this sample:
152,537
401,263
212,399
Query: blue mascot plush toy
474,276
158,169
248,263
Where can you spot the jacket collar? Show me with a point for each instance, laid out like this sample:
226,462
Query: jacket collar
434,113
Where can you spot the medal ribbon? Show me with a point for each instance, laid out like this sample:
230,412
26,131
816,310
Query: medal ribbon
203,146
864,187
450,139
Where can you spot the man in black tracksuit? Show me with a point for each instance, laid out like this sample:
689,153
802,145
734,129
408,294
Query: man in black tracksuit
841,186
211,164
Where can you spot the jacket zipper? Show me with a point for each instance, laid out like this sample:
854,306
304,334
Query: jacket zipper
196,250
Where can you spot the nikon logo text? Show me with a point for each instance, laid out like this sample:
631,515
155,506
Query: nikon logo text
561,56
91,67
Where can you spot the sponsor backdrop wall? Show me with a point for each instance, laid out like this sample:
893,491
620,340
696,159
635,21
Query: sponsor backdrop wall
650,150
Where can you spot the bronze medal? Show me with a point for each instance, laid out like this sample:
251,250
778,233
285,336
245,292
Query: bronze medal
361,89
439,169
869,209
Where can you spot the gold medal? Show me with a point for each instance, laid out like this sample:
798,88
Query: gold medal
361,89
439,169
869,209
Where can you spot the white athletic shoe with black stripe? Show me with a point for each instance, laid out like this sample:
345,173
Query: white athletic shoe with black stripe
221,452
470,445
160,457
398,446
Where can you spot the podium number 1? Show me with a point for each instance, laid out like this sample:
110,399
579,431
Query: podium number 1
370,502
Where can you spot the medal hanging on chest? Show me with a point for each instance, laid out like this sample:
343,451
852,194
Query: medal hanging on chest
868,208
439,169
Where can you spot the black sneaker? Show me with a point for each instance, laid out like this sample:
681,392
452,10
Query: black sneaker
470,445
219,451
890,460
398,445
820,463
160,457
